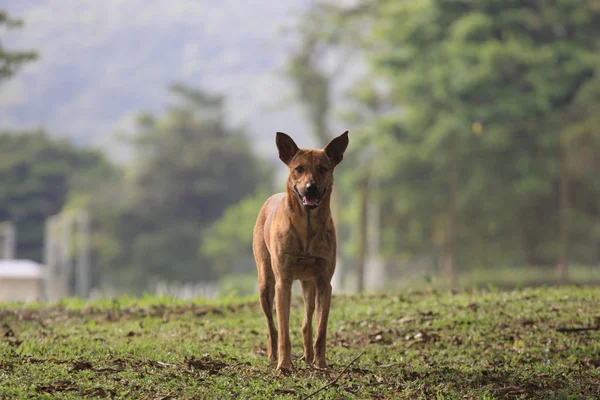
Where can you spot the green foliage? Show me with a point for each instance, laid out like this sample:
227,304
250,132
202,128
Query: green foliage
12,60
147,221
468,114
484,345
36,175
228,241
190,168
101,192
490,93
312,86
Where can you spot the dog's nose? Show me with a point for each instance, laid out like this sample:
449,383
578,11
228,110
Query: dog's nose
312,188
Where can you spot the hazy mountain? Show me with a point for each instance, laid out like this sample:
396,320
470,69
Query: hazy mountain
103,61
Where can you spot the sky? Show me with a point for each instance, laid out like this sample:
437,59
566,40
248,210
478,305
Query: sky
103,62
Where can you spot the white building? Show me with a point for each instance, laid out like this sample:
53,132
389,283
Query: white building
21,280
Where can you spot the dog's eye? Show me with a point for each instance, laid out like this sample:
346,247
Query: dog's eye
300,169
322,170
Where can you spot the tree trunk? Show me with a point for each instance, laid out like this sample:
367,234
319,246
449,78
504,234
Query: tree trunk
449,257
361,257
563,211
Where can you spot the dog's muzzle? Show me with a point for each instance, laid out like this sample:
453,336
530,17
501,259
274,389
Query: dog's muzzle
311,198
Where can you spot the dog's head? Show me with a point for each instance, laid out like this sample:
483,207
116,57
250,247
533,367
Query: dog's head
311,171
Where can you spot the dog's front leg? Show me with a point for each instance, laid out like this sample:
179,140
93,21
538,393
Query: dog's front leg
308,292
283,295
323,300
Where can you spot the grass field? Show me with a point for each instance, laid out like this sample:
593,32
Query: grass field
532,343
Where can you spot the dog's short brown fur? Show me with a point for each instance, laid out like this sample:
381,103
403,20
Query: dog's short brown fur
294,238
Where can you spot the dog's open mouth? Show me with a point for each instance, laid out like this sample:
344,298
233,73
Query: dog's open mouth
310,200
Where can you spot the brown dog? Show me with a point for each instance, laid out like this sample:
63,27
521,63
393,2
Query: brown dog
294,238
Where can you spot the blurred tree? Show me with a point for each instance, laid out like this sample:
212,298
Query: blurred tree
11,60
36,173
101,191
228,241
326,39
190,168
516,70
478,161
324,35
582,142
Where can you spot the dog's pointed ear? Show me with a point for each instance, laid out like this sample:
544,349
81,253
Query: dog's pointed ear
336,148
286,146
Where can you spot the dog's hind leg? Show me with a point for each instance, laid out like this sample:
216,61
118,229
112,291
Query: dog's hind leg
266,289
323,301
308,292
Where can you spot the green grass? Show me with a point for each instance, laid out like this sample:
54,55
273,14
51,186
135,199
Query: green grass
506,277
481,345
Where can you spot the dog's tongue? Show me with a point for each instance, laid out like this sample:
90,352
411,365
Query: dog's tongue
310,200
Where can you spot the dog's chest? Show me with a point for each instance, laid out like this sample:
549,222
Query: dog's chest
317,242
306,266
309,254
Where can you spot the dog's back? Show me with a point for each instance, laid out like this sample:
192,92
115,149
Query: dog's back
262,227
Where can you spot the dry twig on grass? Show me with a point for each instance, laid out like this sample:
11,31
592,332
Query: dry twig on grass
336,378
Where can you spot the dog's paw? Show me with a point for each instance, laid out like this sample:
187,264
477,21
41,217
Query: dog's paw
284,371
309,360
284,366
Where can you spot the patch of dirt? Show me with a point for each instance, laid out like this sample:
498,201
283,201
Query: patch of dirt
58,312
99,392
81,365
60,386
205,363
